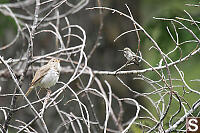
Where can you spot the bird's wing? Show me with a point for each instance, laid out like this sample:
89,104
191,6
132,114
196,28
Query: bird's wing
39,74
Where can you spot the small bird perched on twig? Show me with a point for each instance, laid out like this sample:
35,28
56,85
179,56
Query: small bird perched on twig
46,76
130,56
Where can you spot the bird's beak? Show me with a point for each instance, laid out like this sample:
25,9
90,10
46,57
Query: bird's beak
120,50
58,60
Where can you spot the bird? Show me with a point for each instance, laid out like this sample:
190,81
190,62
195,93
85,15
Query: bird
130,55
46,76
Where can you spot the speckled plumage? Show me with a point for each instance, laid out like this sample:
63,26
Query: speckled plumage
46,76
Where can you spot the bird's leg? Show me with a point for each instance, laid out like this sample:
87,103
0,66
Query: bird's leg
136,62
48,91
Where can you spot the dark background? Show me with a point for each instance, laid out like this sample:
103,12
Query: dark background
106,57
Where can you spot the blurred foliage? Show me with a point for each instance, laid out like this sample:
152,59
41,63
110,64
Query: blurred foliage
4,1
136,129
6,24
158,31
165,8
114,25
157,28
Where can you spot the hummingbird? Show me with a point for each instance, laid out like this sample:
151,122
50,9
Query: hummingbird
130,55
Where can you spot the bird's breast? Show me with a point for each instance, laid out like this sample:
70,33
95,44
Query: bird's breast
50,79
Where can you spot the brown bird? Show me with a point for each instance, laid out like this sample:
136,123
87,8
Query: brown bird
46,76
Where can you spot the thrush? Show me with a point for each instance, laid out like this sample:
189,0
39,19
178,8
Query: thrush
46,76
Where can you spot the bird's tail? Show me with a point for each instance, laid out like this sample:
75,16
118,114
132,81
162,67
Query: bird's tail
29,90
